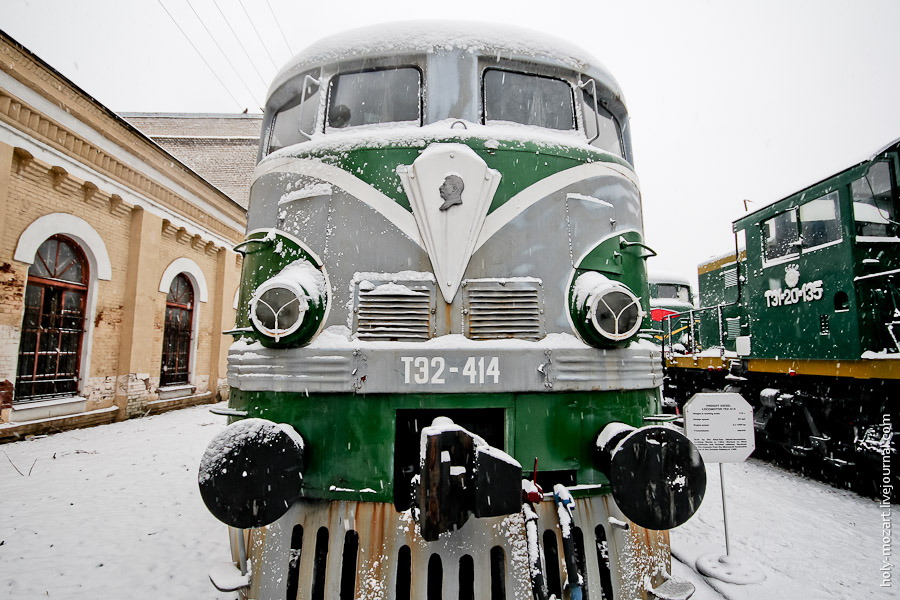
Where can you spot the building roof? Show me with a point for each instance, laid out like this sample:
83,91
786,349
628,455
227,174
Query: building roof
221,148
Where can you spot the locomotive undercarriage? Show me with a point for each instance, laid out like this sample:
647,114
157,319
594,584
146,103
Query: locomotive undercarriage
833,428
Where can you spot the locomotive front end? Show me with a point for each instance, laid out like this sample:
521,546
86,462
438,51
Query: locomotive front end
443,293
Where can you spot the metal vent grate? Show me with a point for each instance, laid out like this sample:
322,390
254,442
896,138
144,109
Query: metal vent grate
388,310
503,308
733,327
731,277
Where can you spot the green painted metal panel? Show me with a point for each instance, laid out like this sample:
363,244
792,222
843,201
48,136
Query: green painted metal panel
351,438
831,302
522,164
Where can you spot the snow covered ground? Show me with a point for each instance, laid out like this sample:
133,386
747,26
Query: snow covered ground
812,541
114,512
110,512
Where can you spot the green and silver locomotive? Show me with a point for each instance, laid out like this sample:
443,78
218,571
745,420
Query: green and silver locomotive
442,293
671,300
803,318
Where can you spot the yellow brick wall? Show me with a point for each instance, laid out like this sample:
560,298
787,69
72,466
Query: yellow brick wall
33,192
142,234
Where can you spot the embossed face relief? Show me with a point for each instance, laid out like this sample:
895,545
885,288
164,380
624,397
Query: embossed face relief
451,191
449,176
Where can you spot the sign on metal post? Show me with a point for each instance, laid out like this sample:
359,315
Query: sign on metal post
721,427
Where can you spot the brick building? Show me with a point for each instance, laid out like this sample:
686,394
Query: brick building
117,275
221,148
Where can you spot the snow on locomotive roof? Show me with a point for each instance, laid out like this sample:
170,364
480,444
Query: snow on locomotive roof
662,277
393,39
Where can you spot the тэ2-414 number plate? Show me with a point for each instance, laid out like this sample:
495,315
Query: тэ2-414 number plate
435,370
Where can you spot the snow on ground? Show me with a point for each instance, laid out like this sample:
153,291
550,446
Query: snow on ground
115,512
811,540
110,512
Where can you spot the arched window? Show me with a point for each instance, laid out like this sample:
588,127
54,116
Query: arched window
176,354
53,325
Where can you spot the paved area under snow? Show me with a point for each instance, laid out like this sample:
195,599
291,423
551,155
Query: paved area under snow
114,512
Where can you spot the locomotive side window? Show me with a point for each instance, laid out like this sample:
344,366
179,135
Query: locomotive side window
372,97
296,117
780,235
820,221
610,137
874,207
528,99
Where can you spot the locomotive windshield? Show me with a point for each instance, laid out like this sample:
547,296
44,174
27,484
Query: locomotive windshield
372,97
528,99
874,208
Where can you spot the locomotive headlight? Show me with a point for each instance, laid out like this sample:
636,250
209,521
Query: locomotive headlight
289,308
615,312
604,312
278,307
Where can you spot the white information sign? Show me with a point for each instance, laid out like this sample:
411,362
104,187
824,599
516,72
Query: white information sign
721,426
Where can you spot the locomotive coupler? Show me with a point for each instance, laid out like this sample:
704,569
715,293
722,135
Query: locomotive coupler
461,475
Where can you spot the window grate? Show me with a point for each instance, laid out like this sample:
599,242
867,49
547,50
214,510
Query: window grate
503,308
49,354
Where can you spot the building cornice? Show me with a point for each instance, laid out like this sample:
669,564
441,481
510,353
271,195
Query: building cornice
27,70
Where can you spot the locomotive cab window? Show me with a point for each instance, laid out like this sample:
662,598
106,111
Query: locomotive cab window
673,291
609,136
820,221
296,120
373,97
780,236
528,100
874,203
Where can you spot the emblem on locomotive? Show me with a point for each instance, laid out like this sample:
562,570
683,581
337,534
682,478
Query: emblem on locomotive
435,182
792,275
451,191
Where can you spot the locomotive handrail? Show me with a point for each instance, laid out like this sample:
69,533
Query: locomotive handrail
669,344
239,248
582,85
623,243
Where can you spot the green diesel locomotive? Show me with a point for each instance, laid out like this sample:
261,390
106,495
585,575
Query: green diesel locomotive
803,318
443,289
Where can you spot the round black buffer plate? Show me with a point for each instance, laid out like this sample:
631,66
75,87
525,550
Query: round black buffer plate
657,476
252,472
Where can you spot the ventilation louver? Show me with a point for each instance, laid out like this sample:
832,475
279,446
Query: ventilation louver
394,310
503,308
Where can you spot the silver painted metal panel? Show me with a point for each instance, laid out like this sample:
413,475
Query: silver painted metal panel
444,366
556,230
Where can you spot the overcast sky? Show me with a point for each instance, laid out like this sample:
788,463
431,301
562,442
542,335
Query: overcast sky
728,100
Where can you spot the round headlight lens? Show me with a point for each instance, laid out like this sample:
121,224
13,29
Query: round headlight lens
277,310
615,312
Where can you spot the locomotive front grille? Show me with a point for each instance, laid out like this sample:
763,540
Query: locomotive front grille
503,308
399,311
369,551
